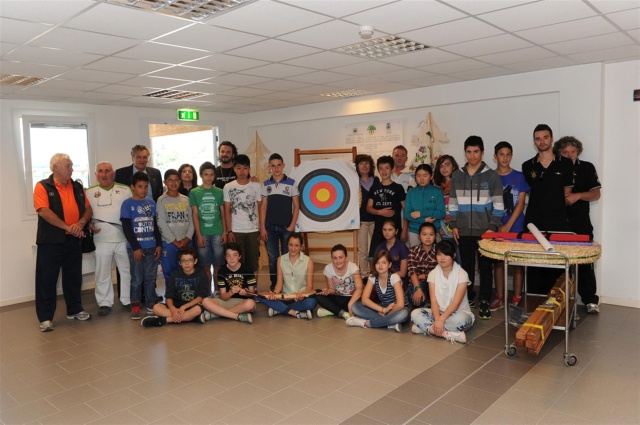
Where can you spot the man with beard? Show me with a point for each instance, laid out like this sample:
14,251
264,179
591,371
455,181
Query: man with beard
225,173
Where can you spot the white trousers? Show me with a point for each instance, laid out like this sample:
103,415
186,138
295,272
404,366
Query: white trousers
105,253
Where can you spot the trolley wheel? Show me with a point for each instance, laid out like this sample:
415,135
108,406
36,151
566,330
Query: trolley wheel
510,351
570,360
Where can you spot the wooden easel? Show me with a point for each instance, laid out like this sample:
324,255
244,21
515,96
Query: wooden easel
297,153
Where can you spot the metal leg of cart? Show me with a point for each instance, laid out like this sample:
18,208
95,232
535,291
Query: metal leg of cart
509,349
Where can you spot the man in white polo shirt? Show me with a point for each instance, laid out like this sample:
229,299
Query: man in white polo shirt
106,198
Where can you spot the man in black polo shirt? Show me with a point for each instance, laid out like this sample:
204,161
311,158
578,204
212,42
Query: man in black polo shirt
550,177
586,189
227,152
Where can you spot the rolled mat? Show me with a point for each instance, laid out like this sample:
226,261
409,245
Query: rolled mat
557,237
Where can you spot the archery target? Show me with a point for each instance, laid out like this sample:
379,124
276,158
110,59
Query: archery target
328,196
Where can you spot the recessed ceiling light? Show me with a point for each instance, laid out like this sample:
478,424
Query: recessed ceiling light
195,10
347,93
174,94
19,80
382,47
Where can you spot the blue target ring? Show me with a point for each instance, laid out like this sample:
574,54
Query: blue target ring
324,194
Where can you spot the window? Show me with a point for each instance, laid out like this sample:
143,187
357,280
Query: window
42,137
174,145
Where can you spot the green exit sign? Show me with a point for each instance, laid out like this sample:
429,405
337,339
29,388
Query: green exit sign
188,115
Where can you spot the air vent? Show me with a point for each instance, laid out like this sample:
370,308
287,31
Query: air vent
347,93
175,94
19,80
382,47
195,10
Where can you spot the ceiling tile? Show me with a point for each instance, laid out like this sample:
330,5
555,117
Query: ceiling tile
278,70
211,39
40,90
252,19
477,74
387,87
325,60
281,96
406,15
129,65
41,10
186,73
635,34
403,75
51,56
162,53
598,42
84,41
627,20
422,58
125,22
123,90
6,47
485,46
320,77
280,85
226,63
96,76
452,32
336,8
249,101
367,68
514,56
97,96
455,66
218,98
538,14
613,54
151,82
476,7
203,87
318,89
55,83
238,80
18,32
31,70
328,36
541,64
357,83
609,6
572,30
433,81
274,50
245,92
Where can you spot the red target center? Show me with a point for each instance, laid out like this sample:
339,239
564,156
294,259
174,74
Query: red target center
323,195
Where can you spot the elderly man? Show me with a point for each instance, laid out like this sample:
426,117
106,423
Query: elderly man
140,155
106,198
63,211
586,189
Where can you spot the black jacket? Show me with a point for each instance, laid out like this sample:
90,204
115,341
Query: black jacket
48,233
124,174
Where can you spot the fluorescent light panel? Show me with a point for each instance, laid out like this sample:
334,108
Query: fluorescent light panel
19,80
346,93
382,47
195,10
174,94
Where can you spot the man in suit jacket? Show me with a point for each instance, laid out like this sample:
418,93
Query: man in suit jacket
140,157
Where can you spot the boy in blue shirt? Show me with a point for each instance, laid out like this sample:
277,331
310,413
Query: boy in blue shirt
144,243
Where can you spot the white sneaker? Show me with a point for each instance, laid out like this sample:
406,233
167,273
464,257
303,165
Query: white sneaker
416,330
323,312
83,315
273,312
356,321
46,326
455,336
593,308
305,315
397,327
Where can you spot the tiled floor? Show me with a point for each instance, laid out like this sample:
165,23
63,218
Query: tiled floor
281,370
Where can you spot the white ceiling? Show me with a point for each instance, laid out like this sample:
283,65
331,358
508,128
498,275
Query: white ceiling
278,53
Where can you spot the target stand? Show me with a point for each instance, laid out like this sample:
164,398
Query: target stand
325,197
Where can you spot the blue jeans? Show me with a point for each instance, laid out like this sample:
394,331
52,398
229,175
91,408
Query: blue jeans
143,273
302,305
458,321
378,321
212,253
276,244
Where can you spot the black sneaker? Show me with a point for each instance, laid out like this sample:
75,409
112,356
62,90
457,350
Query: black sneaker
483,311
104,310
472,303
152,321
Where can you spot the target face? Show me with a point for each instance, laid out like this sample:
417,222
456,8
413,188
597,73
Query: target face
325,195
327,189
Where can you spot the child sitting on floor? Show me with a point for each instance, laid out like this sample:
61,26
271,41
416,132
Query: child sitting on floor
449,316
344,285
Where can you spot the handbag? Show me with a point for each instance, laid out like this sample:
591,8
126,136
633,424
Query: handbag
87,241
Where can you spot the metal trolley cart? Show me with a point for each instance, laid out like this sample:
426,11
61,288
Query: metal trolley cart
521,254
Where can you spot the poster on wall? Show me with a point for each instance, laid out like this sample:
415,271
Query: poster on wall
374,138
328,196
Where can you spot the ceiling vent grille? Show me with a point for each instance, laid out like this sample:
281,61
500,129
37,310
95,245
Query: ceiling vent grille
382,47
195,10
347,93
174,94
19,80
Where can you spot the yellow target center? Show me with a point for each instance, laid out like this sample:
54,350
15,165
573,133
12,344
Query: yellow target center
323,195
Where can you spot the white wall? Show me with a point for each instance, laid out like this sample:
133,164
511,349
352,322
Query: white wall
620,176
590,102
117,129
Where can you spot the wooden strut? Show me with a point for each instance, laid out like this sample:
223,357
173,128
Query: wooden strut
297,153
